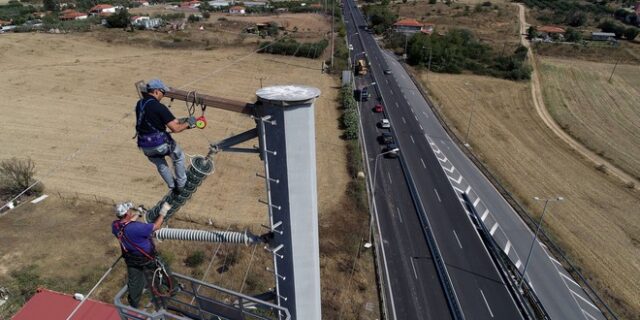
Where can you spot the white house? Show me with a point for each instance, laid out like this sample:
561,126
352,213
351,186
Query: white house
237,10
102,10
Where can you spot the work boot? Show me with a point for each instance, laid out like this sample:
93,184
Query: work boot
176,191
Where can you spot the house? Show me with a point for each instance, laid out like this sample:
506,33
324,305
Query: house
551,31
254,4
219,4
316,6
237,10
603,36
47,304
412,26
4,23
102,10
190,4
138,20
71,14
143,3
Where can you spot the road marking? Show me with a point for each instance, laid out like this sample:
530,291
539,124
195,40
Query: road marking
403,120
554,260
487,303
583,299
588,314
421,128
456,181
387,81
507,248
443,160
391,91
410,136
413,93
484,215
449,169
493,229
397,105
399,215
415,274
423,165
475,203
425,114
415,117
568,278
518,264
457,189
437,195
457,239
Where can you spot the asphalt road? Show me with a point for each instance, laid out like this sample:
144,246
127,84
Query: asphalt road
477,282
426,145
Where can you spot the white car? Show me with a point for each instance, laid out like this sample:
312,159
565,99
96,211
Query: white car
351,47
385,124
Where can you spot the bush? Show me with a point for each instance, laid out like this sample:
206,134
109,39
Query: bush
292,47
194,259
631,33
573,35
120,19
610,26
17,175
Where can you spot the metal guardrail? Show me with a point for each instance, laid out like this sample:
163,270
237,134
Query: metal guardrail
522,212
201,300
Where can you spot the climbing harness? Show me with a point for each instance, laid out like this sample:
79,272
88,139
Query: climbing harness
201,121
163,286
148,140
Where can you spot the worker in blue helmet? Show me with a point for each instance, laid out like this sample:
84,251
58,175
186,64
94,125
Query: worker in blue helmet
139,253
152,119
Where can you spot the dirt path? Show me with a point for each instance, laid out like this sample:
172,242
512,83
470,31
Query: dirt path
543,112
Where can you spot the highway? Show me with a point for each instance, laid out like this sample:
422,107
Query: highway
479,289
442,172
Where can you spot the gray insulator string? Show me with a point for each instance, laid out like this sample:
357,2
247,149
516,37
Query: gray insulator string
207,236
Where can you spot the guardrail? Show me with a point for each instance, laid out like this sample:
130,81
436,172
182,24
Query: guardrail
201,300
521,211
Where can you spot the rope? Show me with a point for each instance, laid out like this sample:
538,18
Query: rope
92,141
246,274
92,289
206,272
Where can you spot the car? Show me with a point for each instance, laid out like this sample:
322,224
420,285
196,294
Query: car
378,108
387,71
385,138
385,124
350,47
391,150
361,94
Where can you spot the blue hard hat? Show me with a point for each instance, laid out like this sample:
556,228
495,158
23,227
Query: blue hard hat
156,84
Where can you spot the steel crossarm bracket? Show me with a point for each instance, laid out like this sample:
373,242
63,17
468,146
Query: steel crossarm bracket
228,143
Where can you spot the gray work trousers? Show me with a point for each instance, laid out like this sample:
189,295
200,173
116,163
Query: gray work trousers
157,156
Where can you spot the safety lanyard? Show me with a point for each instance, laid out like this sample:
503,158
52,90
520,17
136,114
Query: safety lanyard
121,236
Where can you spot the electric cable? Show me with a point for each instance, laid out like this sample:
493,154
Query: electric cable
94,288
246,273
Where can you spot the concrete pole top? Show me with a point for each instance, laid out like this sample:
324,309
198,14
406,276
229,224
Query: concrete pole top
286,95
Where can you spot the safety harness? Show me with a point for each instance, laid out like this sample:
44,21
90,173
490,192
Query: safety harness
159,273
156,137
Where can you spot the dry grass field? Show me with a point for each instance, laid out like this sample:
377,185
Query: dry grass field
604,116
596,225
68,102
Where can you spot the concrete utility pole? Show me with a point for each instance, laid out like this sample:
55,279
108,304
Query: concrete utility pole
286,130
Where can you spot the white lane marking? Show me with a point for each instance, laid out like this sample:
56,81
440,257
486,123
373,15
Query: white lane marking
402,75
428,139
397,105
487,303
391,91
507,248
475,203
457,189
449,169
413,93
415,117
468,189
423,165
457,239
415,274
554,260
389,175
410,136
437,195
583,299
457,181
387,81
425,114
403,120
421,128
518,264
484,215
568,278
588,314
493,229
443,160
399,215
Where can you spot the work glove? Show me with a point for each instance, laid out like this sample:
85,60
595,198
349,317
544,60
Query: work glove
164,209
192,122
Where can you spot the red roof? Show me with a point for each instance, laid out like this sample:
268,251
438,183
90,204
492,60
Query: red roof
100,7
236,8
70,15
47,304
408,23
551,29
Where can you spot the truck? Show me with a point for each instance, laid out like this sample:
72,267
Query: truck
361,67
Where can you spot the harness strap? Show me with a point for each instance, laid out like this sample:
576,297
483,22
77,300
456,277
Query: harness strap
122,237
141,113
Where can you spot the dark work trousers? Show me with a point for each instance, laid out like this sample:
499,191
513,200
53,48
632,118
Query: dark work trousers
140,273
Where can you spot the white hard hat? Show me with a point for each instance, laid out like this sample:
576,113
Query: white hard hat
122,208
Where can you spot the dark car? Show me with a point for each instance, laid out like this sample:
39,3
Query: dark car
385,138
361,94
389,150
387,71
378,108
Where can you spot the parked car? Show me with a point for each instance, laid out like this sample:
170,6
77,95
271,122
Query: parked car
385,124
361,94
387,71
350,47
378,108
385,138
391,150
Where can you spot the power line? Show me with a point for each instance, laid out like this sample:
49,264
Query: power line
246,273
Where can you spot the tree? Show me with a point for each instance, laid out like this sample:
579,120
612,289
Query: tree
432,1
51,5
576,18
631,33
120,19
532,32
572,35
610,26
17,175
